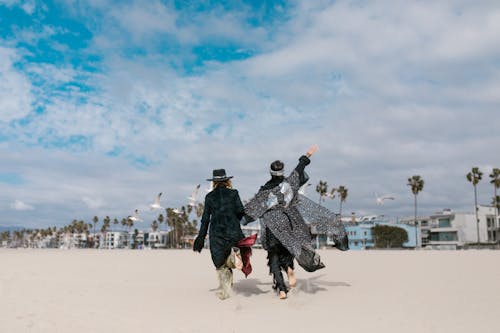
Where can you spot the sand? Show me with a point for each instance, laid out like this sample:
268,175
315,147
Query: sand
174,291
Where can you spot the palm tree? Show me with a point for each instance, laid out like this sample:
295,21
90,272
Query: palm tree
169,221
495,180
199,209
342,191
495,202
107,221
322,189
474,176
115,221
105,227
160,220
95,220
4,237
134,239
416,184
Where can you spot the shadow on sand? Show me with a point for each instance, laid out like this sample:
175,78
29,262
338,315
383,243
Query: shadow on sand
250,287
315,284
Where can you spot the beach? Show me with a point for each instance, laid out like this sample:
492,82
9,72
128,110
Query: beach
174,291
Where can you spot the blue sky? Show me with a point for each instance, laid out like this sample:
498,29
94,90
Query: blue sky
103,104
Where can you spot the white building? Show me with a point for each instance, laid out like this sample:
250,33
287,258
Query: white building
115,240
452,230
71,240
157,239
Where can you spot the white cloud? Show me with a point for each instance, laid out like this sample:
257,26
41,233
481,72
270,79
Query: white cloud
93,203
386,93
21,206
15,88
28,6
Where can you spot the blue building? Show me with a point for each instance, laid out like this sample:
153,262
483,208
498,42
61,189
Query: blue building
360,233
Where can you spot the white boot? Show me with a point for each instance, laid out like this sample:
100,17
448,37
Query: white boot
225,276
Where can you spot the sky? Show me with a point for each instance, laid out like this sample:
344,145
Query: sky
104,104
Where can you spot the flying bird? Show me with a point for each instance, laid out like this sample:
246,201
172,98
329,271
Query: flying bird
192,197
156,204
302,189
135,217
381,199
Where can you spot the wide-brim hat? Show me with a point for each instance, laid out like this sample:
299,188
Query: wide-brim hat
219,175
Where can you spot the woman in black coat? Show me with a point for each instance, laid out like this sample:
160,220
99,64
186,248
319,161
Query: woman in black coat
222,213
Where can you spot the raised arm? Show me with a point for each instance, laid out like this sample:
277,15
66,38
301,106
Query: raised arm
303,162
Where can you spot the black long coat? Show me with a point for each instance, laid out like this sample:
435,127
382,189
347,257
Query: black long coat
222,214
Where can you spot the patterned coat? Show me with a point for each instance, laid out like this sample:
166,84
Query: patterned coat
277,210
221,217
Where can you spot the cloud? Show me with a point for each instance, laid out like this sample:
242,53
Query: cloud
155,97
21,206
15,88
93,203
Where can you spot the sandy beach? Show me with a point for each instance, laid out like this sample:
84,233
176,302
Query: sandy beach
174,291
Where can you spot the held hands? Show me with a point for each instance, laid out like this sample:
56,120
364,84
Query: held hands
311,150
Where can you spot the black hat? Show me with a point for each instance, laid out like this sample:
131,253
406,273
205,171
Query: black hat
219,175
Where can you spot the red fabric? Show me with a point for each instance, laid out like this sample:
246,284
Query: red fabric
245,246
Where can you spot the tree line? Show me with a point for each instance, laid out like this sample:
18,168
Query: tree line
179,221
416,184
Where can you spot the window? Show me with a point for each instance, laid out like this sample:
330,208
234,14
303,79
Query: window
444,223
444,236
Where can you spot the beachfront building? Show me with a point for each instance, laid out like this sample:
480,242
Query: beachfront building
157,239
48,242
138,239
70,240
359,232
114,240
454,230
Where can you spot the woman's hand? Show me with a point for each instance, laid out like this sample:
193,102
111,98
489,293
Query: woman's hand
199,242
312,150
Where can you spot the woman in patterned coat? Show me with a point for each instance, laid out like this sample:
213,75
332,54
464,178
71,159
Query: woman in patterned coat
285,234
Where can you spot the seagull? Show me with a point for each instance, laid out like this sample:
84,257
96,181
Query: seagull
380,200
176,211
331,194
302,189
156,204
135,217
209,188
192,198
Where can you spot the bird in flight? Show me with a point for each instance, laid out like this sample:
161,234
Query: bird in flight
134,217
192,197
177,211
156,204
302,189
381,199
